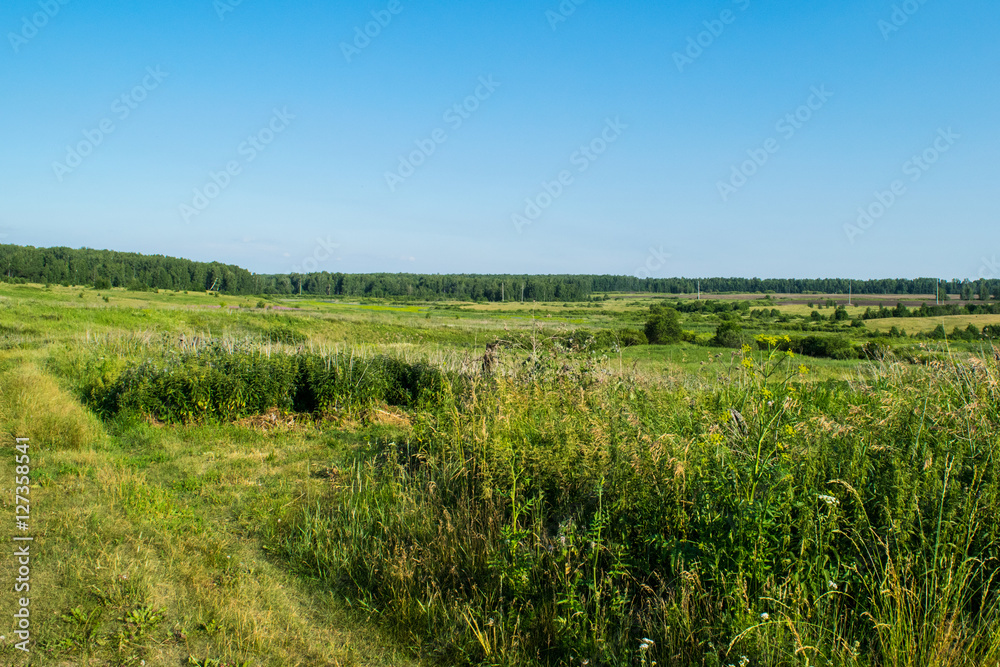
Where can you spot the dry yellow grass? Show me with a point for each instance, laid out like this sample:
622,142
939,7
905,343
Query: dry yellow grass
34,406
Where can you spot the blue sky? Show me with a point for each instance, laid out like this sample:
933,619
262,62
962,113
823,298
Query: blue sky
666,124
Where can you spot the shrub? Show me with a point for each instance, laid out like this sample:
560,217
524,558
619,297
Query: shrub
728,334
214,384
663,326
632,337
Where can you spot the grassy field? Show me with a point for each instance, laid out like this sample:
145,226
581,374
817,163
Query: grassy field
926,324
255,481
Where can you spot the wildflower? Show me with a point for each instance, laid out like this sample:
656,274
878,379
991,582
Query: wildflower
716,439
747,363
746,349
744,661
646,644
789,354
802,369
833,585
765,616
789,430
829,500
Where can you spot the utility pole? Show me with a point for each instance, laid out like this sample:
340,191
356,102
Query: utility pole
522,292
699,289
937,291
850,291
501,292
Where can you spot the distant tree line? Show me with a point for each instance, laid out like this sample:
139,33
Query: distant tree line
106,268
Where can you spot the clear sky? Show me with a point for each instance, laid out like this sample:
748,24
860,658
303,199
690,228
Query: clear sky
600,137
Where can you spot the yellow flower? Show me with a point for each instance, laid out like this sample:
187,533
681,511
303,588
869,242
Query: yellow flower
789,431
747,349
747,363
790,354
716,439
802,369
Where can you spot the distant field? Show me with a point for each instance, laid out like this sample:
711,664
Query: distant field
926,324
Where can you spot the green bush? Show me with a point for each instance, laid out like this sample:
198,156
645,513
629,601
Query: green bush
663,327
632,337
728,334
214,384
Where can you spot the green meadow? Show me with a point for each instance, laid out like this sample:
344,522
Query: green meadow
220,480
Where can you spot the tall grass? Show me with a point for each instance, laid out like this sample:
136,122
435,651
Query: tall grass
559,513
561,519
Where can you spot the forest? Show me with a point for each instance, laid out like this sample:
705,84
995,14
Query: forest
104,269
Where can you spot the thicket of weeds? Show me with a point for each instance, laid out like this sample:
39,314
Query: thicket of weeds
556,513
553,517
219,383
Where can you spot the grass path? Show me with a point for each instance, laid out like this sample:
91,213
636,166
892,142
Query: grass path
148,544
